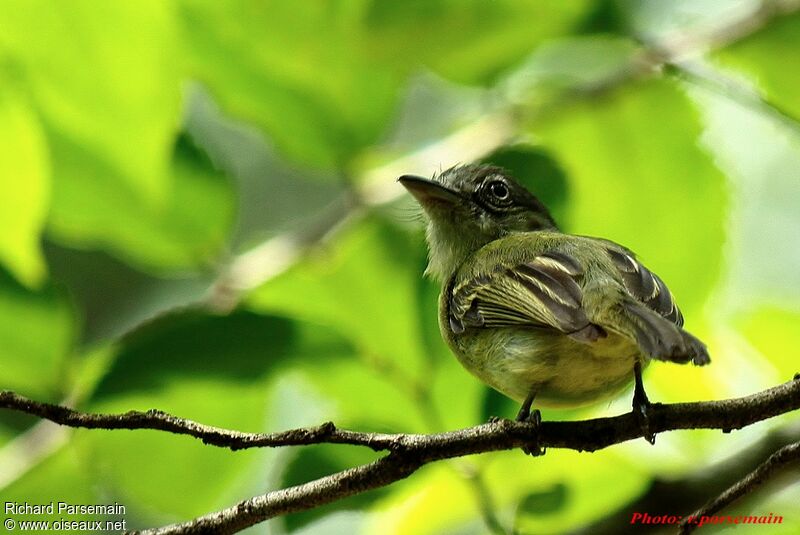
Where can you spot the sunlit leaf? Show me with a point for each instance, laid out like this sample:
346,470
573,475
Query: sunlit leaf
762,56
297,70
188,232
365,286
24,186
633,160
470,42
775,333
105,76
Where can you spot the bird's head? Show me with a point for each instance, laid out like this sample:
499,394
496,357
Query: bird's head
469,206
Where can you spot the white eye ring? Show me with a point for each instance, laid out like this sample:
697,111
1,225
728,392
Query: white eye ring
499,190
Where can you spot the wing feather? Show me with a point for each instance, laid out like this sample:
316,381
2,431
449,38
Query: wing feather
645,286
544,292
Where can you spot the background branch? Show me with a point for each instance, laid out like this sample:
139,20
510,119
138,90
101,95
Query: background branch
667,496
775,463
408,452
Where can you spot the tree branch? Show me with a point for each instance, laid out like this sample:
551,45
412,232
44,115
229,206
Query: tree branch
408,452
668,496
747,484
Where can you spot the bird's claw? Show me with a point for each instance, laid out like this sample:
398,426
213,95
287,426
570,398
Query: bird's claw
533,418
641,410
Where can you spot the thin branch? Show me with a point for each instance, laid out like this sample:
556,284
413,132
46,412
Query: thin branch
667,496
408,452
746,485
586,435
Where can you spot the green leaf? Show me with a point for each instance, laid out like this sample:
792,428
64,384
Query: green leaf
215,370
273,195
188,232
563,64
773,331
59,477
24,186
766,57
111,298
35,337
469,42
319,461
365,286
544,502
321,102
105,77
638,177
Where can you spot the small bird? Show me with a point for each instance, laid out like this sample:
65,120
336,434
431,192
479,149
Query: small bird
536,313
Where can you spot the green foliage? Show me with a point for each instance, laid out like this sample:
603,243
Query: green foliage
660,170
24,186
198,217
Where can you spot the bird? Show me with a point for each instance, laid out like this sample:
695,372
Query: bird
537,313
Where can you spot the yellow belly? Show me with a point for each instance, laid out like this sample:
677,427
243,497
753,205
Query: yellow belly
561,371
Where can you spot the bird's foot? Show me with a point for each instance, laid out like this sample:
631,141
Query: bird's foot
641,405
534,418
641,410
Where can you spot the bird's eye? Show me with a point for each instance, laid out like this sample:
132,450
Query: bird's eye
499,190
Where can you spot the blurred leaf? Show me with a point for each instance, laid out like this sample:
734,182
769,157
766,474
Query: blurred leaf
431,108
341,522
365,286
761,156
568,490
273,195
544,502
35,337
469,42
605,16
24,186
105,77
434,501
774,332
187,232
319,461
497,405
656,20
214,370
632,157
763,56
583,62
311,101
187,344
60,477
112,298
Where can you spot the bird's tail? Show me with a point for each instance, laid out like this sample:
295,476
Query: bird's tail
661,339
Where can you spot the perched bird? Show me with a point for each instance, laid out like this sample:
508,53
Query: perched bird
536,313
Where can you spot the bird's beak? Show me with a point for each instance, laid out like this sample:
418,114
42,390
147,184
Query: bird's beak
427,191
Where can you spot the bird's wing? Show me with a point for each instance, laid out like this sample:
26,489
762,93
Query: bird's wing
644,285
652,316
543,292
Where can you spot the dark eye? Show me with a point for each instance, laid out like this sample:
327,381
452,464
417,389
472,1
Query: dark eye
499,190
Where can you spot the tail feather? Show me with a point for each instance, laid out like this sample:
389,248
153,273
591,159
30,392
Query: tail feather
661,339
